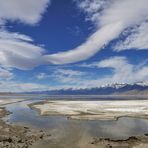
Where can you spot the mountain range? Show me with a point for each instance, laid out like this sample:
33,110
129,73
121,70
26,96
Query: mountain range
139,88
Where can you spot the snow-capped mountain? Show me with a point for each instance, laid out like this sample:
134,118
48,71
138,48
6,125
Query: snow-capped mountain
116,88
115,85
142,83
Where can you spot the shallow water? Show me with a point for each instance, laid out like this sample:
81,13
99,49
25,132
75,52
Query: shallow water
123,128
74,97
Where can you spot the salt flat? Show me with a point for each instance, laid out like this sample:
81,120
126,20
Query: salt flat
94,110
9,101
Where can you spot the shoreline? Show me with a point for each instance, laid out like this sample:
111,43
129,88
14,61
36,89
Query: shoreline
4,102
19,136
15,136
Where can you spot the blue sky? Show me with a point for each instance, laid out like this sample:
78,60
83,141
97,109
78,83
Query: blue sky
52,44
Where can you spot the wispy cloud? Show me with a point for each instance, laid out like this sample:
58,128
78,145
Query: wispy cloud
5,74
123,71
68,76
12,86
138,39
42,76
110,17
69,72
93,44
62,76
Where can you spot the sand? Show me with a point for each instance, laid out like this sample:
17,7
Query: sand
94,110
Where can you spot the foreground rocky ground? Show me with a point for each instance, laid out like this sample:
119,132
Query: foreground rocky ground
12,136
131,142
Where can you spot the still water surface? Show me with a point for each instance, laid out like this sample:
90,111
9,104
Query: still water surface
123,128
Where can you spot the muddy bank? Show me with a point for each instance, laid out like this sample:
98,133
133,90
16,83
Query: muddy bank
131,142
12,136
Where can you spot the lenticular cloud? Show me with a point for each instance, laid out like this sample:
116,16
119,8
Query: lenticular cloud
111,18
89,48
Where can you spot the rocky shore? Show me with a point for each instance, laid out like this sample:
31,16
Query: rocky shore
13,136
131,142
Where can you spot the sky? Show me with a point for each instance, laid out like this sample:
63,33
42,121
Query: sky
52,44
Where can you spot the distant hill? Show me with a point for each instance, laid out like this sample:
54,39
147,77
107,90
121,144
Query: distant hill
139,88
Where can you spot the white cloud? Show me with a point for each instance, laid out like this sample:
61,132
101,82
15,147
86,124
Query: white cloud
111,17
68,76
114,18
138,39
41,76
5,74
26,11
12,86
122,72
129,12
61,75
89,48
142,73
19,54
69,72
17,50
92,8
4,34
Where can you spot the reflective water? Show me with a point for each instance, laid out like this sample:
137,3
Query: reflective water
124,127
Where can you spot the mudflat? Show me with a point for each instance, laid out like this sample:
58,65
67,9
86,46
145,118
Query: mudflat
94,110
